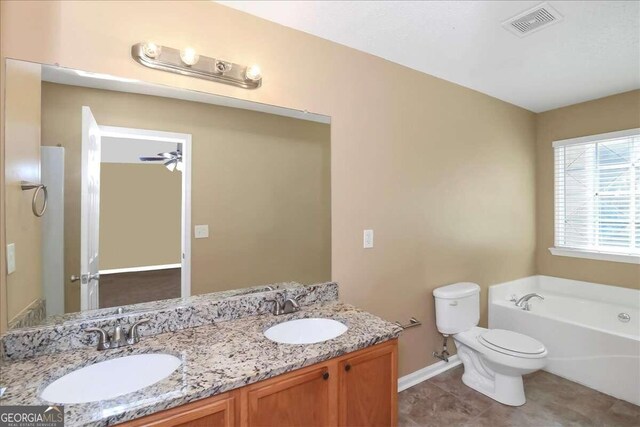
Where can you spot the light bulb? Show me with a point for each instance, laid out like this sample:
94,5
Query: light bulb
253,73
151,50
179,166
189,56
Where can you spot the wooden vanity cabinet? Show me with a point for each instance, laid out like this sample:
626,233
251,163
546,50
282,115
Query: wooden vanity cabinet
306,397
216,411
355,390
368,387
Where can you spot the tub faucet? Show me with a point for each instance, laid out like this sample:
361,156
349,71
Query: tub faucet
524,301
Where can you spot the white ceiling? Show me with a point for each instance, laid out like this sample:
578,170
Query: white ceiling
593,52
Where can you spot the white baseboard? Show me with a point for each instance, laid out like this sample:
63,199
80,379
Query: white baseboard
425,373
141,268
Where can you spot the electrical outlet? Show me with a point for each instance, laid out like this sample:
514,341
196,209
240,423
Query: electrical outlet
201,231
11,258
367,241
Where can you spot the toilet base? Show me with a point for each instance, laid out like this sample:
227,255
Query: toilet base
506,389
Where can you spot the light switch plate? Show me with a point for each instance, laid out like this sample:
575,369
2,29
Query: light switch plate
367,240
201,231
11,258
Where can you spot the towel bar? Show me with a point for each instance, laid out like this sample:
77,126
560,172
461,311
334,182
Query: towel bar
413,322
39,187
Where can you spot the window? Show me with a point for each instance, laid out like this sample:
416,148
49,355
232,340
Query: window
597,196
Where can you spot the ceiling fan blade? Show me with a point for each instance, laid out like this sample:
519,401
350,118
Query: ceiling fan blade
151,159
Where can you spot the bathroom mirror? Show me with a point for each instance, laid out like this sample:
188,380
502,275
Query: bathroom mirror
154,193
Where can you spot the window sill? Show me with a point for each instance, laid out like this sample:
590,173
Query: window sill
601,256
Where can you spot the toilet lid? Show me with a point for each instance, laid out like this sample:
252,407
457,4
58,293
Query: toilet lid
511,341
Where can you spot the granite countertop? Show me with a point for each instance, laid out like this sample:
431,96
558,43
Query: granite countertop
215,358
162,304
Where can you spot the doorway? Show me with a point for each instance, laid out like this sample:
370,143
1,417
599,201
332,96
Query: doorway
136,233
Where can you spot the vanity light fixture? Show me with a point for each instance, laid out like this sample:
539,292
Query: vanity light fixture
188,63
151,50
253,73
189,56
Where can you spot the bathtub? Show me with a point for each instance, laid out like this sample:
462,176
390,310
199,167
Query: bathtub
578,323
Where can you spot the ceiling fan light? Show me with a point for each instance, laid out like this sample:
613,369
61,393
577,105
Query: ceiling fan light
171,165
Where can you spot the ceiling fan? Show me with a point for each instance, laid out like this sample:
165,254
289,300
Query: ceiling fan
172,159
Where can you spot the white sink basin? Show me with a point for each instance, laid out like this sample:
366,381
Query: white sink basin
111,378
305,331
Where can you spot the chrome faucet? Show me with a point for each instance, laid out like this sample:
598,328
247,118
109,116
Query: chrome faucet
118,337
523,302
290,306
287,306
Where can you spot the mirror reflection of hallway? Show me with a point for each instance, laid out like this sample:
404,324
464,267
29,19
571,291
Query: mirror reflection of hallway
140,221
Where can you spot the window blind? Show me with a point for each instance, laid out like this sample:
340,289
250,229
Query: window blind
597,193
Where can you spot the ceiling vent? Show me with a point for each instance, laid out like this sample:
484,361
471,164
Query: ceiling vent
532,20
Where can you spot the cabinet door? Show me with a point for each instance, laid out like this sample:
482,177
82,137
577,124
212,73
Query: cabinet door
218,411
369,387
307,397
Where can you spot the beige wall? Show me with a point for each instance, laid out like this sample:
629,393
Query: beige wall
140,215
3,267
603,115
443,174
260,181
22,163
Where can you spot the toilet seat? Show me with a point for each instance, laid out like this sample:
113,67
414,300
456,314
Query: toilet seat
512,344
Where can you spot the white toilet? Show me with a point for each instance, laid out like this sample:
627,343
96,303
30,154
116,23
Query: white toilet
494,359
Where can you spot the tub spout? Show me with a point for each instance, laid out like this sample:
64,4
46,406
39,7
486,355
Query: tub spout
524,301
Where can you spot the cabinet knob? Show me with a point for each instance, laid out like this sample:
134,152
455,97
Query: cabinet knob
325,376
347,367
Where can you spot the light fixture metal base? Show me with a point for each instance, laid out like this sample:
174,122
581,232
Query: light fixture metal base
217,70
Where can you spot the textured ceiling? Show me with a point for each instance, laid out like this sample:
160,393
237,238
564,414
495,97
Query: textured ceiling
593,52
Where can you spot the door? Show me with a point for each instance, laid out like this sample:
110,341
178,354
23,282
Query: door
369,387
89,211
304,398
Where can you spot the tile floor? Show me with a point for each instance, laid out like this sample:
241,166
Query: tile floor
551,401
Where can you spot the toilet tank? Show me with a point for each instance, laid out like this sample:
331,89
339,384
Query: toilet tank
457,307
